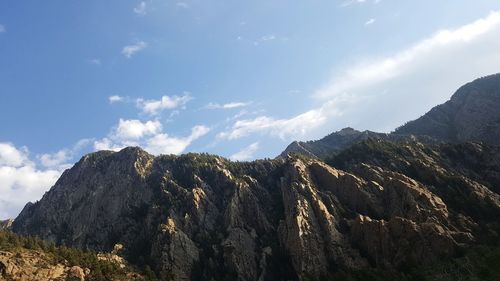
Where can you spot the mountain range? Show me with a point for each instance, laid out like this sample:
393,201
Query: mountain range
420,203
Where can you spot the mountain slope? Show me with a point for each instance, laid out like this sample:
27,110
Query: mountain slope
472,114
197,217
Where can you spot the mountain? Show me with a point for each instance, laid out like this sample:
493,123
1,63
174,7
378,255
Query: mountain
333,143
472,114
421,203
336,142
202,217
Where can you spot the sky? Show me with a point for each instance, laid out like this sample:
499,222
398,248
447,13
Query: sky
241,79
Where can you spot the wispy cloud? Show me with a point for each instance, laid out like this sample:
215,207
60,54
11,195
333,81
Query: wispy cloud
282,128
60,160
115,98
148,134
246,153
229,105
164,144
140,9
153,107
265,38
94,61
130,50
367,74
3,28
370,21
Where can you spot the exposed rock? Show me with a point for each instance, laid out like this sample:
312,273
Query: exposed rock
6,224
35,265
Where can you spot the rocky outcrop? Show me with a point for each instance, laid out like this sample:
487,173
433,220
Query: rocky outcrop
6,224
201,217
36,265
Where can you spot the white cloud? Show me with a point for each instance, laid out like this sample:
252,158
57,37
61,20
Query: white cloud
229,105
140,9
11,156
115,98
20,180
370,21
148,135
2,28
55,159
283,128
130,50
61,159
163,144
153,107
135,129
246,153
107,144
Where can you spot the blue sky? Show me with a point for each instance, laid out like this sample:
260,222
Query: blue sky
237,78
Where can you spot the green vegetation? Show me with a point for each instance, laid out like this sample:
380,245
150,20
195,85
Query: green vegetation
99,270
479,264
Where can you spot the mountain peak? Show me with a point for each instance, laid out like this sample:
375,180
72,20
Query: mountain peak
472,114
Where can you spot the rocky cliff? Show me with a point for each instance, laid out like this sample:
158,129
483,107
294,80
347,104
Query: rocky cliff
202,217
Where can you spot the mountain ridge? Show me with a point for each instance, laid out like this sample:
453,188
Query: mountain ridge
350,203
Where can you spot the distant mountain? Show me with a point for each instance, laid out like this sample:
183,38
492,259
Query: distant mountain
422,203
472,114
332,143
338,141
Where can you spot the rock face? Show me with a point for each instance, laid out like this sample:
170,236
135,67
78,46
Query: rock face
198,217
472,114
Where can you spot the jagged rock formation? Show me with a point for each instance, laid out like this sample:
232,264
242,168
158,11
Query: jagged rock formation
6,224
472,114
198,217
